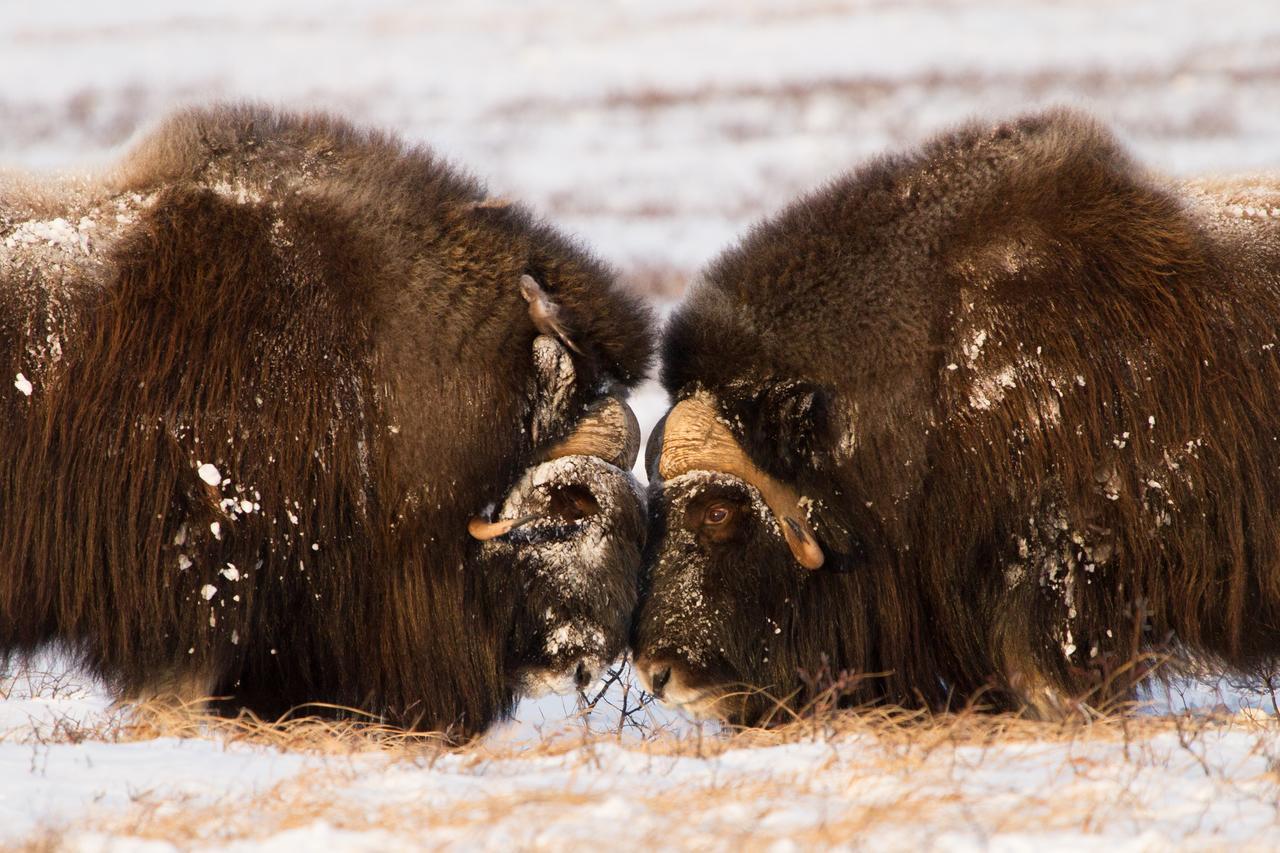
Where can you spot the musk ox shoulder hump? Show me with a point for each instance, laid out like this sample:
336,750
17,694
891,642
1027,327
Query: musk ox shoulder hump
414,205
249,138
857,259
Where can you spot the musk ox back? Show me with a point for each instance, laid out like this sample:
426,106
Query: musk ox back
261,379
986,422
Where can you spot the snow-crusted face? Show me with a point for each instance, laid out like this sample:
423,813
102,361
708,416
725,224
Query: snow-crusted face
721,600
578,563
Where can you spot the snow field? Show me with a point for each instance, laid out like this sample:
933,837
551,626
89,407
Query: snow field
96,779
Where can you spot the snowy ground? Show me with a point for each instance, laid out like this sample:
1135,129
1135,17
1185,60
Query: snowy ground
656,131
75,776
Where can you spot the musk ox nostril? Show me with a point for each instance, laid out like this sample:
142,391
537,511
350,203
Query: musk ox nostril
583,676
658,679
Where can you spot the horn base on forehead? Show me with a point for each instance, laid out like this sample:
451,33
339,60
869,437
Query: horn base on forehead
695,439
609,430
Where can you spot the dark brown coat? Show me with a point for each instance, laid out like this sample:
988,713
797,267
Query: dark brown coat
332,320
1031,392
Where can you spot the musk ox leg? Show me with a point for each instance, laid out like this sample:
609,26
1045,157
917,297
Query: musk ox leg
185,691
1037,699
1061,641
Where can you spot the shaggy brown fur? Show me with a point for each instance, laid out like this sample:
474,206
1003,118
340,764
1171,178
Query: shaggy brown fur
333,320
1032,393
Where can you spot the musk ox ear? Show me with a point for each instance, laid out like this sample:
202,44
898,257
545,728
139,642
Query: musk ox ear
837,534
785,425
544,312
789,427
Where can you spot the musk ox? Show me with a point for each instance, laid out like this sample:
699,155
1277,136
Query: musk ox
296,414
986,422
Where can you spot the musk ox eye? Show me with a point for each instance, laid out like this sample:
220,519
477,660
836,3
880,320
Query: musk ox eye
715,518
717,514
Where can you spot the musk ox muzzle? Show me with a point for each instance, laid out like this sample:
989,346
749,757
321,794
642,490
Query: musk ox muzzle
718,600
574,527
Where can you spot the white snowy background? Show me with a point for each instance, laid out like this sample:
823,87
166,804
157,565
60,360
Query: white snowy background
655,131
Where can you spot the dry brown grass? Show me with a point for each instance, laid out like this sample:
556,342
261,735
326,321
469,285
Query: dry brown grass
875,773
163,717
923,761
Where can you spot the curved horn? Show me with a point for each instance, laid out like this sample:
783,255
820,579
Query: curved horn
694,439
609,430
484,530
653,449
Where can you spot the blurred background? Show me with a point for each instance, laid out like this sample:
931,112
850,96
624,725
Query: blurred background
655,131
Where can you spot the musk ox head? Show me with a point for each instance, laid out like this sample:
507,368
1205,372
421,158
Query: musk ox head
577,550
741,596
